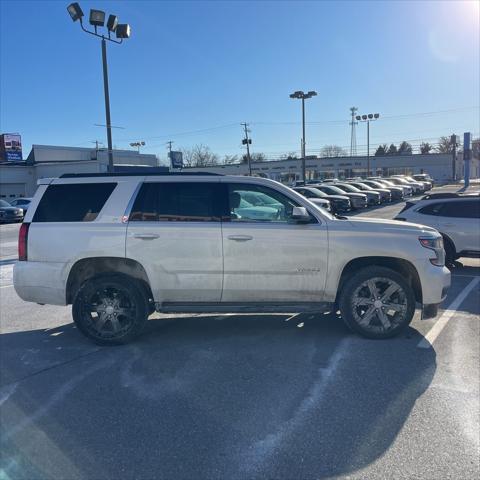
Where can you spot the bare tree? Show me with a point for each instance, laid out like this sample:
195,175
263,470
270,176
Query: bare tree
445,145
289,156
425,148
258,157
381,150
254,157
199,156
229,159
405,148
476,148
392,150
333,151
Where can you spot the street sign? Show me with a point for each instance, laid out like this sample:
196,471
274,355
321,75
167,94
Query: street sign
176,159
10,147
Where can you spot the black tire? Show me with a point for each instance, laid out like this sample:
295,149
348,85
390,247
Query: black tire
360,308
450,253
110,309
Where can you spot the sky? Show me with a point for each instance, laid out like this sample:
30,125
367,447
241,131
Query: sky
193,71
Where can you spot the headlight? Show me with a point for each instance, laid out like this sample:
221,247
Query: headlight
436,245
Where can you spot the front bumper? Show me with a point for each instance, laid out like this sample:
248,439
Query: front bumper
10,218
341,207
435,283
359,203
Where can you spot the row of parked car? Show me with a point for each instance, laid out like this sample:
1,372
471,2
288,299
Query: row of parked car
340,196
13,211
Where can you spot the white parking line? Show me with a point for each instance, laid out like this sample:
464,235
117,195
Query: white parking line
6,286
430,337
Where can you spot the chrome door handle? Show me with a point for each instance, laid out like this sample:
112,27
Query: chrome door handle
240,238
146,236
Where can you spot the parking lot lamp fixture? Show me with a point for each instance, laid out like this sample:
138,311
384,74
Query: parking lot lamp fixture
368,118
97,20
303,96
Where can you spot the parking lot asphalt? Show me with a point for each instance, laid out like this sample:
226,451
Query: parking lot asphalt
240,396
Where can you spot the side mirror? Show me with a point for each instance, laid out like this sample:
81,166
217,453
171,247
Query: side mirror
300,215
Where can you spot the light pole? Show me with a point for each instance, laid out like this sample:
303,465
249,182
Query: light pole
368,118
97,19
138,145
303,96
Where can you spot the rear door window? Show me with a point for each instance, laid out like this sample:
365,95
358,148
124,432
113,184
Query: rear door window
432,209
462,209
178,202
79,202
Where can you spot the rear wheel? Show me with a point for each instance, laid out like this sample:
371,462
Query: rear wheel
377,302
110,309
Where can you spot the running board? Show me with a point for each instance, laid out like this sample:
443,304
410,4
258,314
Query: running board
227,307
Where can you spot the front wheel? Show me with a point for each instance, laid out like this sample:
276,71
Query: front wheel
110,309
377,302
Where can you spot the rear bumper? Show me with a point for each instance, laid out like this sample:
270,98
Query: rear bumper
41,282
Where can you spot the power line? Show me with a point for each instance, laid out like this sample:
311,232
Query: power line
191,132
342,122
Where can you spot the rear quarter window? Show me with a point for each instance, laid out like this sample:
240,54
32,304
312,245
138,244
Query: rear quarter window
77,202
432,209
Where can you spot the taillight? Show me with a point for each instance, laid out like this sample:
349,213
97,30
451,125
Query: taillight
23,242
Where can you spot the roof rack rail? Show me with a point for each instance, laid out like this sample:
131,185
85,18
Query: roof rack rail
431,196
138,173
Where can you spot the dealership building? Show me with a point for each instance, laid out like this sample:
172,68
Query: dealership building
19,178
440,166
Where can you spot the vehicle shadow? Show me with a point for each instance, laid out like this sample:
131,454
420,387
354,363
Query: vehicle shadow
240,396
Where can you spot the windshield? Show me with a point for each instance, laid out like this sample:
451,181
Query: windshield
316,192
348,188
397,181
387,182
371,183
3,203
362,186
331,190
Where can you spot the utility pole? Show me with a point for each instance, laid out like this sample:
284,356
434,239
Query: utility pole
353,134
169,143
453,141
97,143
247,141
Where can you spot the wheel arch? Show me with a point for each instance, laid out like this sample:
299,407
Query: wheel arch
399,265
448,240
87,268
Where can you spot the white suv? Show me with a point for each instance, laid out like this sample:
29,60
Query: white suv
119,247
456,216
